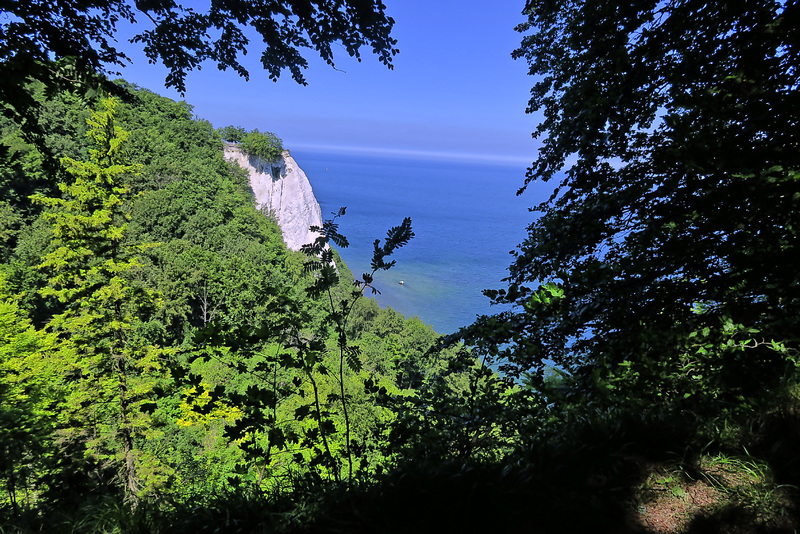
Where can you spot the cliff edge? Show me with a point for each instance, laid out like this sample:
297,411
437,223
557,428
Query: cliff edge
282,190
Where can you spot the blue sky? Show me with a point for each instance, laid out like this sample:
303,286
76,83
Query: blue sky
454,91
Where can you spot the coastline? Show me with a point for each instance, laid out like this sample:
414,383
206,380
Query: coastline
466,218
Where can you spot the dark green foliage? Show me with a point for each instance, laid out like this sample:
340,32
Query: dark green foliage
264,145
232,134
23,169
662,270
167,141
218,258
337,313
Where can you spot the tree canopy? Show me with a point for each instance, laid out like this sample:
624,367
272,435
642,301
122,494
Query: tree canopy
666,258
265,145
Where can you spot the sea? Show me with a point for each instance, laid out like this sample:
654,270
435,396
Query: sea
466,218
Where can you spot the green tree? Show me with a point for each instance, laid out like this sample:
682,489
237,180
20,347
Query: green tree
109,368
264,145
9,226
232,134
26,393
166,140
305,396
663,268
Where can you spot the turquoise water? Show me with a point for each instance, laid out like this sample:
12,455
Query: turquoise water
466,218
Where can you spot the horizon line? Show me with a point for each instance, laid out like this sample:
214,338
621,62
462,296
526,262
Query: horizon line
415,153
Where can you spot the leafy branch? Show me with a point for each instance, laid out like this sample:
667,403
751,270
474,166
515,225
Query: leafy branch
327,279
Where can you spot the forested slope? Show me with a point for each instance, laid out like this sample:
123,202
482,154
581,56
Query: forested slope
166,365
160,342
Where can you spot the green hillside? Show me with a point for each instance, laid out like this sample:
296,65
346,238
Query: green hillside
162,345
168,366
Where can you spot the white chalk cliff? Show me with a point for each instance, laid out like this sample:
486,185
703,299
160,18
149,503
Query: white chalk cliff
282,189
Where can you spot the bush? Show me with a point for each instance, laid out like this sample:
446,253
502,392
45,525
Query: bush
232,134
265,145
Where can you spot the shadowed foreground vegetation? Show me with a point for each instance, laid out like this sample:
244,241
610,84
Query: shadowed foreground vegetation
167,365
236,352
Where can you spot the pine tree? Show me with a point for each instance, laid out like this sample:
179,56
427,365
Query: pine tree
25,394
110,371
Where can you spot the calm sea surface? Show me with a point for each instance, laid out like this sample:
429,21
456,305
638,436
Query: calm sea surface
466,218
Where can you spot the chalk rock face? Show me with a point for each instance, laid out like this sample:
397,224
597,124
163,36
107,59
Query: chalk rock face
282,190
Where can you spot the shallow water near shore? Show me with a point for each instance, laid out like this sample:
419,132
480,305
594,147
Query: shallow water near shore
466,217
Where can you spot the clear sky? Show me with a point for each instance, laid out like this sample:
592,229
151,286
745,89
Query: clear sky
454,90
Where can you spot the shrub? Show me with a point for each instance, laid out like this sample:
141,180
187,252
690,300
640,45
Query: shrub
232,134
265,145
